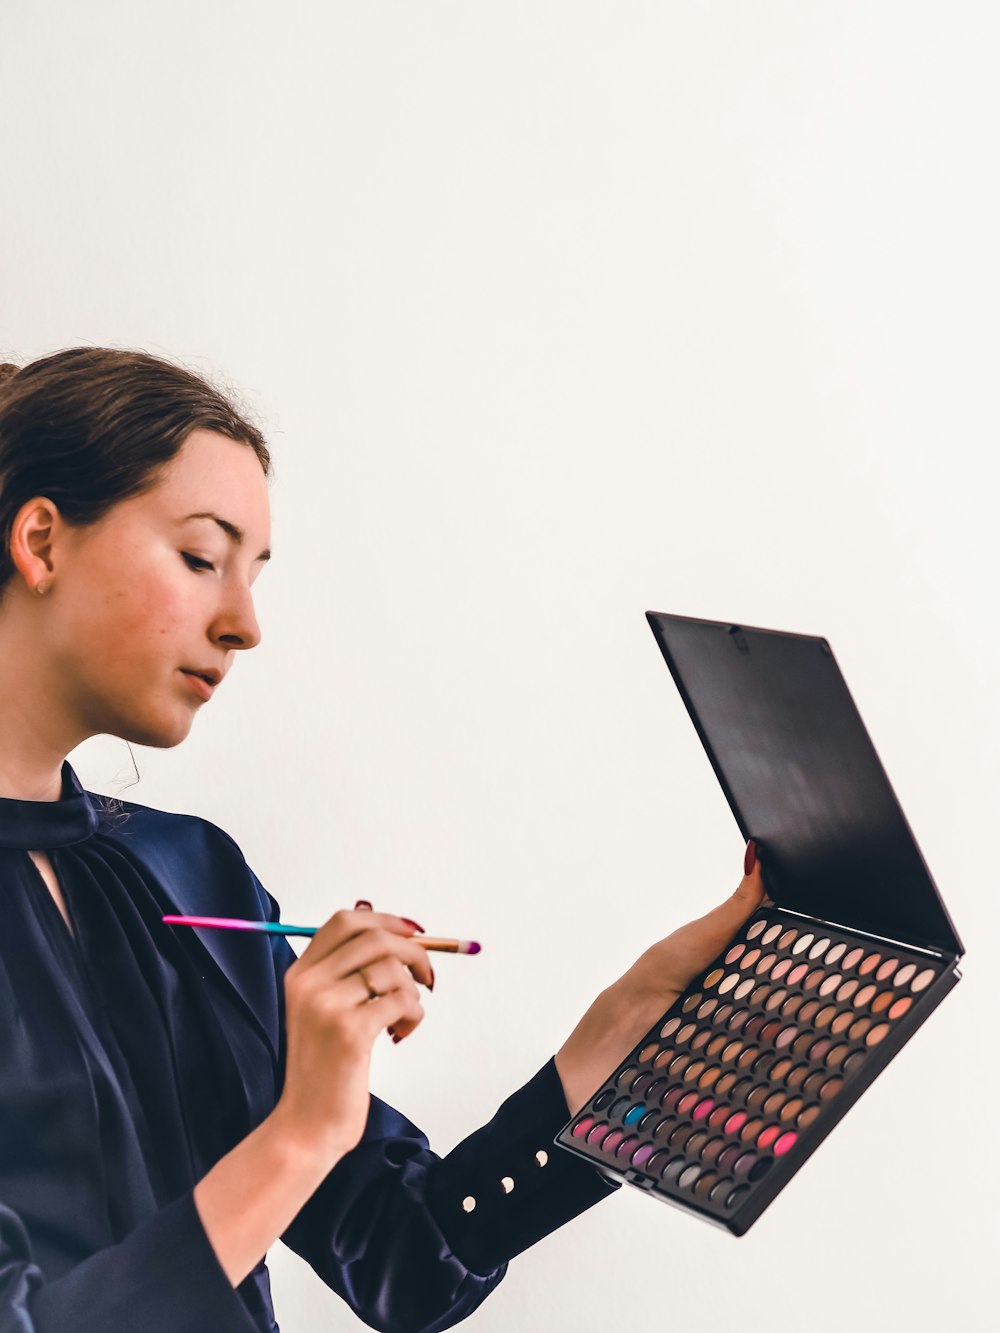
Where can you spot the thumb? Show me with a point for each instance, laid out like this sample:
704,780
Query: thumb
749,895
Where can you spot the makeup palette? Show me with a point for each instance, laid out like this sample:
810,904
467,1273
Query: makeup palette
728,1094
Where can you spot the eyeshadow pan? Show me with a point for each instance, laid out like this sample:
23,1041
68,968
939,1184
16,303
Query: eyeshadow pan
707,1008
705,1183
728,1156
923,979
642,1154
786,940
742,1165
734,953
672,1024
877,1033
767,1136
900,1007
774,1103
853,958
749,958
835,953
882,1001
756,929
808,1114
648,1052
771,933
819,948
802,943
904,974
862,997
871,962
887,969
780,968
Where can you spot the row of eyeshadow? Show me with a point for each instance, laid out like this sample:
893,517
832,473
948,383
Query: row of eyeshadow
706,1106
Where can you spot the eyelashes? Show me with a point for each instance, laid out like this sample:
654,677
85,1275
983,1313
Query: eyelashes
195,562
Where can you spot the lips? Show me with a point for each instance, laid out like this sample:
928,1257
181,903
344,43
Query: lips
199,684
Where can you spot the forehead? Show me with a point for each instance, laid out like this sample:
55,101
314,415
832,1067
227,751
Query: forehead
212,473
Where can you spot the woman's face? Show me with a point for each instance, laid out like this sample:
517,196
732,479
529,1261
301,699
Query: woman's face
149,591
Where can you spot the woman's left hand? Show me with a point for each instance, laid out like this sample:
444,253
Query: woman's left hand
623,1013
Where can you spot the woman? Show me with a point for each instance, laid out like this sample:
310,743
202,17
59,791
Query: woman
172,1101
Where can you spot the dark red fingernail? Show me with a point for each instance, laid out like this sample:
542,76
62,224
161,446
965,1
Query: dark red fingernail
413,924
391,1031
750,859
396,1037
362,905
431,986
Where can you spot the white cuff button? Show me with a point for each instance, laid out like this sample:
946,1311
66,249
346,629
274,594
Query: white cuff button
468,1203
541,1157
507,1184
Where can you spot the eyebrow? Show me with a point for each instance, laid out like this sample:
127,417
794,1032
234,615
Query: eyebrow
234,533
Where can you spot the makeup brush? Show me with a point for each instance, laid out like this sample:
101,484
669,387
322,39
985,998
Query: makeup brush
434,942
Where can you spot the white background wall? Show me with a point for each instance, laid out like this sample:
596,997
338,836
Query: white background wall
554,313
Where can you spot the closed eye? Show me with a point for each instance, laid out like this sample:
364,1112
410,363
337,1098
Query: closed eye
196,562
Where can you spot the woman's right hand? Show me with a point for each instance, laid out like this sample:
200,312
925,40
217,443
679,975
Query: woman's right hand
331,1022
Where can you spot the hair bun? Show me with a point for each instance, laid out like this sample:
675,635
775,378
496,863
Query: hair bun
7,371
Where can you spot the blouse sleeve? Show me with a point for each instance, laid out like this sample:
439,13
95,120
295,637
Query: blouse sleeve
164,1277
414,1242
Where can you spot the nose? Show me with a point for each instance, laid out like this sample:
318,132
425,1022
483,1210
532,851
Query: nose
237,625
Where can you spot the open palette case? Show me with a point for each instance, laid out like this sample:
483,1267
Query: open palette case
733,1088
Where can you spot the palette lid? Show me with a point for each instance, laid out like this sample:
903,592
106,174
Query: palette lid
801,774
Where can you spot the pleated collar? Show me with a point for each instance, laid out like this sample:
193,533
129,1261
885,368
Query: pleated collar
40,824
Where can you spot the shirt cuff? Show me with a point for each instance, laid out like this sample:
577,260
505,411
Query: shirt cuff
509,1184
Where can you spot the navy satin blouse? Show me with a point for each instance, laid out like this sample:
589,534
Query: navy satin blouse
136,1054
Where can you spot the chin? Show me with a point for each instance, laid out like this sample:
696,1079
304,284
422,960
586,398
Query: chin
158,736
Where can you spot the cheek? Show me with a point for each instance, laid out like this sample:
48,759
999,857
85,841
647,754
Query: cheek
139,618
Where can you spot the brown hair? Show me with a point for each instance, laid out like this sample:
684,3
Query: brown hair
90,426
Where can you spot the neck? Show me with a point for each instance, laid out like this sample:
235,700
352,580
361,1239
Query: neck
37,727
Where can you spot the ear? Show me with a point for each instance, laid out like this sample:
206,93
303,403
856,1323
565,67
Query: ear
32,539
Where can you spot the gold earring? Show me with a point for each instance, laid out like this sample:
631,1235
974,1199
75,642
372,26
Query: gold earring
42,587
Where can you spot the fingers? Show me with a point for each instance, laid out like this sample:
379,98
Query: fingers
344,925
